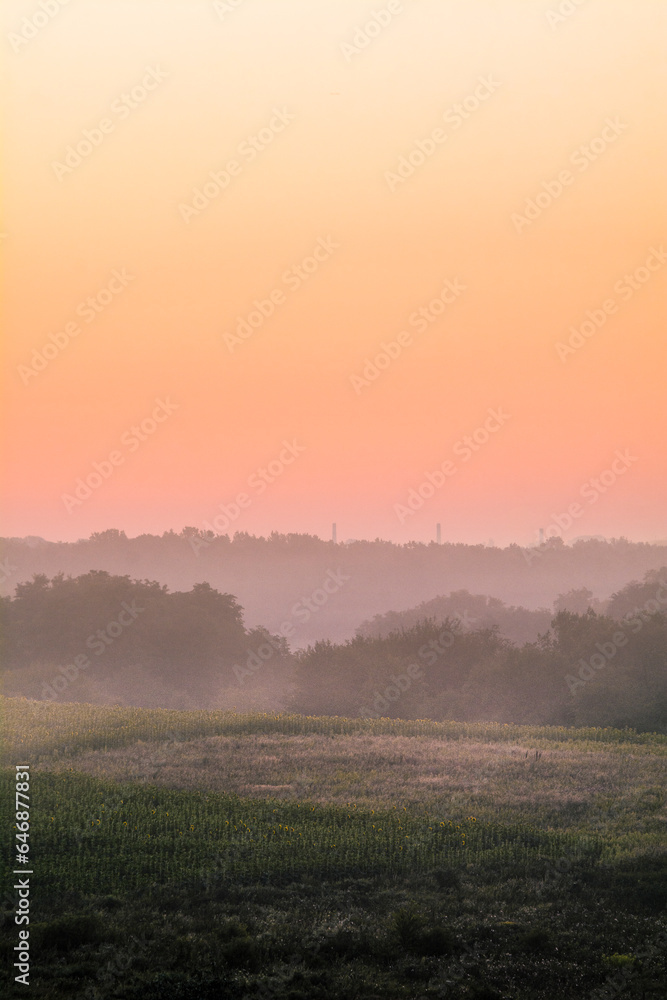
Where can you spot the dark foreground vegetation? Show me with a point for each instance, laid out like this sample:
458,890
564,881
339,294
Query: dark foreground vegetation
484,932
146,892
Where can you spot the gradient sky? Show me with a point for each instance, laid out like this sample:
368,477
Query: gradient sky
356,112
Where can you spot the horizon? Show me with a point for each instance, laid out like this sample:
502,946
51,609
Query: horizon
490,543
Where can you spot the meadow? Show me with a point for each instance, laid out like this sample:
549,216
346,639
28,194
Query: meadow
195,854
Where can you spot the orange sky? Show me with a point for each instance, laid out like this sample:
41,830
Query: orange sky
168,91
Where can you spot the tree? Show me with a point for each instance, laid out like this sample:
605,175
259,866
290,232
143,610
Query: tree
110,535
578,601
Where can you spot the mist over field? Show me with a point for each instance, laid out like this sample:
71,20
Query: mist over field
127,638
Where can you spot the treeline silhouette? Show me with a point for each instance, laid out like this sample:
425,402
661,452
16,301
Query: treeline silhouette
575,675
269,576
474,611
518,624
99,637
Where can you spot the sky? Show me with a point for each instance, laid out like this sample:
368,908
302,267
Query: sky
273,265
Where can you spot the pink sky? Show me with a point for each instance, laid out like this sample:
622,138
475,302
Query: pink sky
482,108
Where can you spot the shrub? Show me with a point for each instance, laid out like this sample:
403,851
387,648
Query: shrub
618,961
242,952
447,878
535,940
231,930
436,941
70,932
410,928
407,925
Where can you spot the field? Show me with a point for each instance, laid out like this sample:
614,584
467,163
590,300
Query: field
195,854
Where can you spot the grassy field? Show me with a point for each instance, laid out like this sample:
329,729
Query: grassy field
194,854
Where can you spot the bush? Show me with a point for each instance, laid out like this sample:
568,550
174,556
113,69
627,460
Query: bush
412,932
619,961
70,932
535,940
407,925
486,993
447,878
436,941
242,952
111,903
343,944
232,929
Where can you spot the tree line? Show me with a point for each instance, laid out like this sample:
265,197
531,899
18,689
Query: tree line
590,666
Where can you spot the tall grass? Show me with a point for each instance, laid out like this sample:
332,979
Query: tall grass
99,836
38,728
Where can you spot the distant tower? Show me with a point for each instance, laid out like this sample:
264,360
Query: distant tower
437,534
541,536
333,532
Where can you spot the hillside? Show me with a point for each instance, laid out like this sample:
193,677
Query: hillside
314,858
